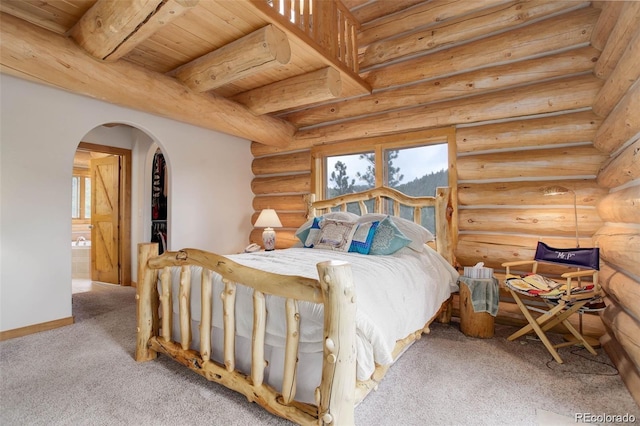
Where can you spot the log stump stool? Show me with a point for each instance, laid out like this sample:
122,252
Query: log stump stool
478,321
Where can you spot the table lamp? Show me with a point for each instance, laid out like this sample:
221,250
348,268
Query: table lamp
268,219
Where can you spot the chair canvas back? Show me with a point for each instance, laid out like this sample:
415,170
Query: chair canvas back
575,257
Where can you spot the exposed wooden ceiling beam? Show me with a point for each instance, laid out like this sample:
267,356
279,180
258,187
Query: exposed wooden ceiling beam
111,29
317,86
33,53
263,49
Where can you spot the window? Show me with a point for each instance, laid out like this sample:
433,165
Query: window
414,164
81,196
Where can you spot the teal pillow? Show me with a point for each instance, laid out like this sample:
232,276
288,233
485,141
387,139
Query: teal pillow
388,239
363,237
310,235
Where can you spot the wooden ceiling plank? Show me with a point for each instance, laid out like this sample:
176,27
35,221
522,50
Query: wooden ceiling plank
459,30
110,29
32,53
263,49
301,90
35,15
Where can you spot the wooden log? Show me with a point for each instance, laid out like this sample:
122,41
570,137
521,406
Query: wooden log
335,396
166,300
35,54
264,395
549,221
280,203
552,34
422,15
257,149
288,220
496,249
305,89
621,287
286,163
629,374
622,124
472,323
535,132
206,316
567,161
285,238
620,36
438,89
626,72
521,193
261,50
146,303
620,246
488,21
546,97
291,351
625,329
184,298
607,20
110,30
258,362
622,168
298,183
621,206
365,11
228,297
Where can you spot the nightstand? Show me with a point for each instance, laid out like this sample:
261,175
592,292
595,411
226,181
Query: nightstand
478,300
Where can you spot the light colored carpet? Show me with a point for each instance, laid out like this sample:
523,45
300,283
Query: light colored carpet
85,374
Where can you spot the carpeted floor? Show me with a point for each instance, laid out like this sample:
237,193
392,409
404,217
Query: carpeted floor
84,374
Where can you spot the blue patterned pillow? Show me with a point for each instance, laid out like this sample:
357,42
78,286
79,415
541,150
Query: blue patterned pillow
311,236
388,239
363,238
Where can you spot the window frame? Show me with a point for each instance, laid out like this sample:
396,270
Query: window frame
82,174
377,145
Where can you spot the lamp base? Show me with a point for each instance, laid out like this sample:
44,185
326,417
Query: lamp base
269,239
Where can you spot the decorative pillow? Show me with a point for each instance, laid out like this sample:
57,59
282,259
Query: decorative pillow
335,235
363,237
418,234
388,239
303,231
312,233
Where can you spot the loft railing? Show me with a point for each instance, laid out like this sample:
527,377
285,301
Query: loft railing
327,22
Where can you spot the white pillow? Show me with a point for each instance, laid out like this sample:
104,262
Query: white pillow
418,234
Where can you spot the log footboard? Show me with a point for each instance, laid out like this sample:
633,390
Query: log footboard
335,397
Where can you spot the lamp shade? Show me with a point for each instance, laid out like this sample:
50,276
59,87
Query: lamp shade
268,218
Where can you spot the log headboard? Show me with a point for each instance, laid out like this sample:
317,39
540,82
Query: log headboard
444,229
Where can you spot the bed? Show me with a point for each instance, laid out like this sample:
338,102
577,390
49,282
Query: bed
306,332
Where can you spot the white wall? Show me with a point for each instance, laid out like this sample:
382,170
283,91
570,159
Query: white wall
210,190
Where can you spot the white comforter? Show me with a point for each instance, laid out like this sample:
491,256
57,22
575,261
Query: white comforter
396,295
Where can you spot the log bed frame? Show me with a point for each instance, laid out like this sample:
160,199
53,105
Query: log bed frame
339,391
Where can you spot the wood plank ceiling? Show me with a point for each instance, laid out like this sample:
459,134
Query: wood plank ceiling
230,66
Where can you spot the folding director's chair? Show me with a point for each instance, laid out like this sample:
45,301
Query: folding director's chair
562,299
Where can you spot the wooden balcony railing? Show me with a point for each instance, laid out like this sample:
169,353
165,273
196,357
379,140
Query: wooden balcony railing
327,22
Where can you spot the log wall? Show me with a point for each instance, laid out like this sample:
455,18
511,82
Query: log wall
523,103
